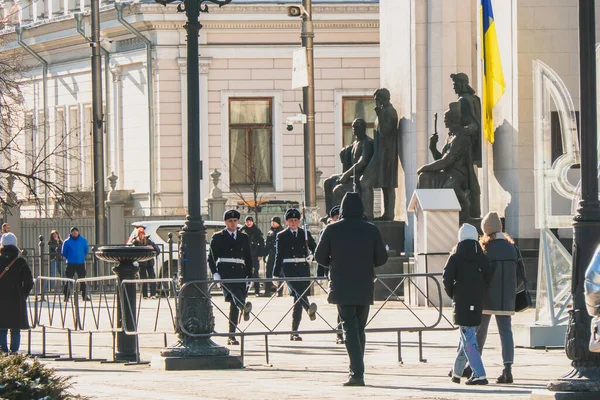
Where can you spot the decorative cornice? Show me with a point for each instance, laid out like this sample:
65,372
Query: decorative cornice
263,9
205,64
267,25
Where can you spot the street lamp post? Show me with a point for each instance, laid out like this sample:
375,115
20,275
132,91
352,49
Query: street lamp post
585,374
194,312
308,96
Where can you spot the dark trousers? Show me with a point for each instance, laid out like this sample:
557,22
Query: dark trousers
354,320
15,340
256,265
234,315
147,272
300,302
339,325
70,272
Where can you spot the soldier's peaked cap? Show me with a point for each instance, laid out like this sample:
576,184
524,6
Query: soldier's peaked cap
335,210
231,214
292,213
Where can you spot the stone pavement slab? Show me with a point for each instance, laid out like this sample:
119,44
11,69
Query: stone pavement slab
313,368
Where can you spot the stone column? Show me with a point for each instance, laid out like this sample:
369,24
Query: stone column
216,202
398,64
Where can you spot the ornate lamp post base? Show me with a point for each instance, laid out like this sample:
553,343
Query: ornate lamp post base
126,256
196,354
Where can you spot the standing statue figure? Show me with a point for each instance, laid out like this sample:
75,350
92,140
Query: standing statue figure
453,167
355,159
470,108
384,169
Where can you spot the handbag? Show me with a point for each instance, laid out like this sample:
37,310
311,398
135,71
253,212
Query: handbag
595,336
523,301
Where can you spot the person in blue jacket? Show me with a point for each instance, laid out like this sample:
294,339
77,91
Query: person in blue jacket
74,250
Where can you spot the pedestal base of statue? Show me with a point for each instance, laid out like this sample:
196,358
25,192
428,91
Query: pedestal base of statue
395,265
392,233
196,354
548,395
538,336
436,233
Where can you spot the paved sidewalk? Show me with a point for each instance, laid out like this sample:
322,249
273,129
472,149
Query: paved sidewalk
310,369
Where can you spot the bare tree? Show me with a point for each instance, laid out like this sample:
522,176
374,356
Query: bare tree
28,161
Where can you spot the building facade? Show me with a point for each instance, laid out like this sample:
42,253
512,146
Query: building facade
409,46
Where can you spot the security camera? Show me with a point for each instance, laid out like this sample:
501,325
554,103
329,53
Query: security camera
296,119
296,11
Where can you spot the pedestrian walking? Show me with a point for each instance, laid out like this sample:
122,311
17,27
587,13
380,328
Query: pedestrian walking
323,271
230,257
146,267
54,247
16,282
293,246
75,249
466,276
351,248
508,278
257,248
270,254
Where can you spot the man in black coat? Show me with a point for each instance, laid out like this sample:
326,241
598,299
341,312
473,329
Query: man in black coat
352,248
292,249
270,253
257,248
230,257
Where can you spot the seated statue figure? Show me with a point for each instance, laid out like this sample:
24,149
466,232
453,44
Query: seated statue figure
453,167
355,159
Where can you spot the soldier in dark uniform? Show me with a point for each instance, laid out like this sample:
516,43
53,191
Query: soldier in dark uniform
230,257
270,253
290,261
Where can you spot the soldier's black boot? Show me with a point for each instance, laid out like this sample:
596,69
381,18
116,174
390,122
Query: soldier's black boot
232,341
246,310
312,311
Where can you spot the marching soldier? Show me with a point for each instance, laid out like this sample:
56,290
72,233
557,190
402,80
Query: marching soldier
230,258
292,250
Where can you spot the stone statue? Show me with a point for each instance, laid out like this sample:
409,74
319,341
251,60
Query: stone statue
383,171
470,108
453,167
355,159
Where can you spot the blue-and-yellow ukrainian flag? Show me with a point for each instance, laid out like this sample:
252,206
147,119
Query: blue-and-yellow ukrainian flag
493,78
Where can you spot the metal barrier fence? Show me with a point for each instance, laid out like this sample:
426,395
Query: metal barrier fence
204,287
50,311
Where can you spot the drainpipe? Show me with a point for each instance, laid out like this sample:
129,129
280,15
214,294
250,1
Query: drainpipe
150,73
44,63
79,19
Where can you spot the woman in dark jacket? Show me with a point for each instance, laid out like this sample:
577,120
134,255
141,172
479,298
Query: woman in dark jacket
466,276
508,274
146,267
54,247
15,285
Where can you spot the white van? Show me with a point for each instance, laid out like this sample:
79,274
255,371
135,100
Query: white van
158,232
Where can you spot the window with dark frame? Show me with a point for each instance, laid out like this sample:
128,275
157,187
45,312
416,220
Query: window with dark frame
357,107
251,141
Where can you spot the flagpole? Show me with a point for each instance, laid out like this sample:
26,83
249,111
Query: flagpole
485,201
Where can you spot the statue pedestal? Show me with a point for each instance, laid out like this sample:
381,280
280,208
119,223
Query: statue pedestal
435,232
393,234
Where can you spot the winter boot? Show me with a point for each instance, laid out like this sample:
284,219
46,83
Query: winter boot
506,376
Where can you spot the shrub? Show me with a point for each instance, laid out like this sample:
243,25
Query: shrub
25,378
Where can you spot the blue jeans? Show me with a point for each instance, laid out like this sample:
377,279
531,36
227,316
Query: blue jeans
55,271
505,332
468,350
15,340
